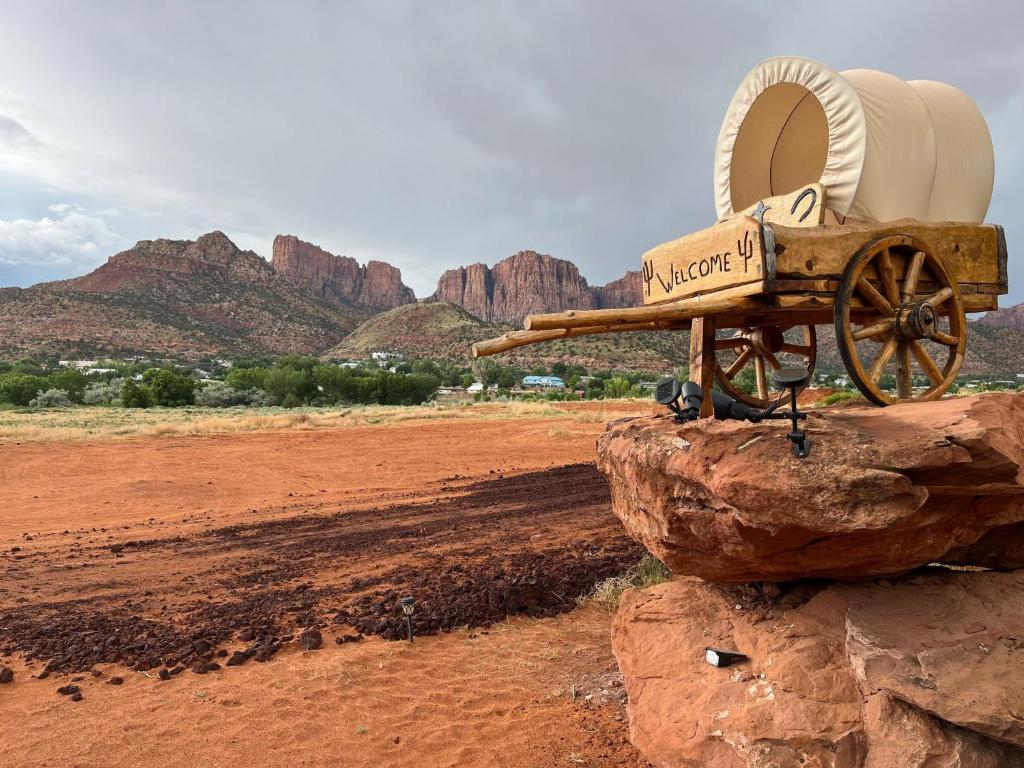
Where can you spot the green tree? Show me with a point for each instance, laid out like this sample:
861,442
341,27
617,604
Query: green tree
20,388
71,381
135,395
746,380
509,377
297,362
490,372
466,379
244,379
333,383
411,389
427,368
171,389
617,386
251,362
29,366
283,381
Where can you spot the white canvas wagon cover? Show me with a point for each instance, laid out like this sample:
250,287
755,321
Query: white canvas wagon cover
883,148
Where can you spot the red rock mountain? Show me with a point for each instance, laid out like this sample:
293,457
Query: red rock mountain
340,281
1010,317
531,282
172,298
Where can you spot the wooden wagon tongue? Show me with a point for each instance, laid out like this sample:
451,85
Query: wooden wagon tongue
777,265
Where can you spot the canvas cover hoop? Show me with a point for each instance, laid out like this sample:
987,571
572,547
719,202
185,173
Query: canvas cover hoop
883,148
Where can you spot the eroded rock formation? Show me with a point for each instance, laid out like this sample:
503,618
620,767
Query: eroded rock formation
530,282
884,491
340,281
923,672
915,664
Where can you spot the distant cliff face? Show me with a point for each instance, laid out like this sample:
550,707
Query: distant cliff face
529,283
339,281
1010,317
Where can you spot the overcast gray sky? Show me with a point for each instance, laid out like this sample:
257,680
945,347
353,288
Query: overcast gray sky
428,134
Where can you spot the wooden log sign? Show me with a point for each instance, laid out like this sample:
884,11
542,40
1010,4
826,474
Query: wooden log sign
726,255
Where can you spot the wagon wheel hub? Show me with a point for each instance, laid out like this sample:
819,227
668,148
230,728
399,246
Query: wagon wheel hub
766,341
916,321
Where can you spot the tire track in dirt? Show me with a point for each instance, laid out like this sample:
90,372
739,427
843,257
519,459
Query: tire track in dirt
529,543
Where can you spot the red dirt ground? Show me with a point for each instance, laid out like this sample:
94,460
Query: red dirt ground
138,557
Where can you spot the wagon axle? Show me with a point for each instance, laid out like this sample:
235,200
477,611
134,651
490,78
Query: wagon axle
916,321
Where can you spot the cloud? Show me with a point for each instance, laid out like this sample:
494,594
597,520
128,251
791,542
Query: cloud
15,136
70,241
432,135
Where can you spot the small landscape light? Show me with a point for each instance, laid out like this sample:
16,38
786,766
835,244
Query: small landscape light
717,658
408,606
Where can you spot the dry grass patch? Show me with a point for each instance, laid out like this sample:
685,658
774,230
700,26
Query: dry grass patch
88,423
648,572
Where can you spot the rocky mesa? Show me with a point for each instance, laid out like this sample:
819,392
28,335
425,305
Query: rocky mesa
181,298
340,281
530,282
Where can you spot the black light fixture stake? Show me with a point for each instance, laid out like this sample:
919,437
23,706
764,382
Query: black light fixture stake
408,606
669,392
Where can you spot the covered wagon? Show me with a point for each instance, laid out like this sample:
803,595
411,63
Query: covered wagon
850,199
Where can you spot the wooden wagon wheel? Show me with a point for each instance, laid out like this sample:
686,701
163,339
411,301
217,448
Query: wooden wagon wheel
897,292
761,348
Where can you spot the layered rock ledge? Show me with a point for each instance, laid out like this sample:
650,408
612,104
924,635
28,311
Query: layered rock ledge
924,671
885,490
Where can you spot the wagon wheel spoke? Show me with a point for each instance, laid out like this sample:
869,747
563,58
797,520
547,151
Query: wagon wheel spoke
762,378
796,349
945,339
888,276
882,359
904,374
731,343
739,362
913,273
925,361
878,328
773,361
873,297
940,297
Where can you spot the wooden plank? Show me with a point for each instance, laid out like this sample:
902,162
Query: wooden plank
702,360
803,208
973,302
723,256
721,301
971,252
514,339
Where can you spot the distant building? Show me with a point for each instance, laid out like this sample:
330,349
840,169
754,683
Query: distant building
543,382
79,365
475,387
379,356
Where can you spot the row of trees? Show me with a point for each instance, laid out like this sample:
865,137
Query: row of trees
288,381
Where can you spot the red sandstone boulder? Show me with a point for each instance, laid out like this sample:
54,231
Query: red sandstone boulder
928,671
884,490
